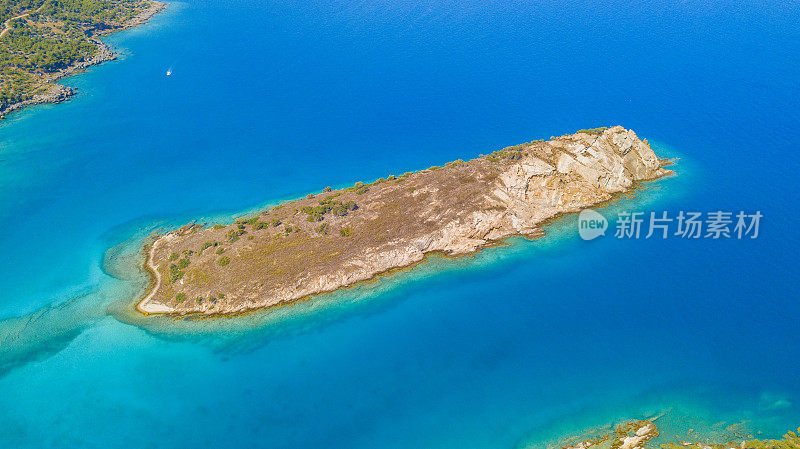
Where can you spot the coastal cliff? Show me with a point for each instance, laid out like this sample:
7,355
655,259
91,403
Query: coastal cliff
340,237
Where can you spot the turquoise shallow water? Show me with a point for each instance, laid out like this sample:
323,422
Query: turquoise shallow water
514,347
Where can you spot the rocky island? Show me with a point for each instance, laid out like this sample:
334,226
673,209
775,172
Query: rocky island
337,238
638,433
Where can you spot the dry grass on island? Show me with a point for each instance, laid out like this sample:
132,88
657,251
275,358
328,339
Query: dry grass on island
337,238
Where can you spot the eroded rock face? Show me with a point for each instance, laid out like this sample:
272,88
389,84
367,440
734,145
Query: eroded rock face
285,253
628,435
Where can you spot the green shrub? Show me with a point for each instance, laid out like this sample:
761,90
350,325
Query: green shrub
218,226
328,200
323,228
223,261
508,153
173,257
338,208
209,244
345,232
241,222
175,273
342,208
233,234
594,131
180,297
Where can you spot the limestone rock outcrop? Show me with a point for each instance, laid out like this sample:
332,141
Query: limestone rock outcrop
392,223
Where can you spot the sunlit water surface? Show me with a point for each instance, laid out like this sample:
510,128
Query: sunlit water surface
519,345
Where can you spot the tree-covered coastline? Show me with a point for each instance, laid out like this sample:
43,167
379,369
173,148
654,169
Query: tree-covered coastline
41,40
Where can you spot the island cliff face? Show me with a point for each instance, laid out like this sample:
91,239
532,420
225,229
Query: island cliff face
340,237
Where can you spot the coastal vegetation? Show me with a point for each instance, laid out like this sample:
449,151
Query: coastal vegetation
42,40
176,270
208,244
234,234
329,205
594,131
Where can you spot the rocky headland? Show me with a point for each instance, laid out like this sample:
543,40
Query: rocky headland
337,238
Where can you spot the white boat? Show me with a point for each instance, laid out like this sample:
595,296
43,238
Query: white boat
169,72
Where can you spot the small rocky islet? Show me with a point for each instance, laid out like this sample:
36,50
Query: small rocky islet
339,237
636,434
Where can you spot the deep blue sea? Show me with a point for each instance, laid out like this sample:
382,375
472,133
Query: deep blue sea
512,348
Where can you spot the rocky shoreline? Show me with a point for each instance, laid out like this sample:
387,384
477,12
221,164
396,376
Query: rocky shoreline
57,93
338,238
638,433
